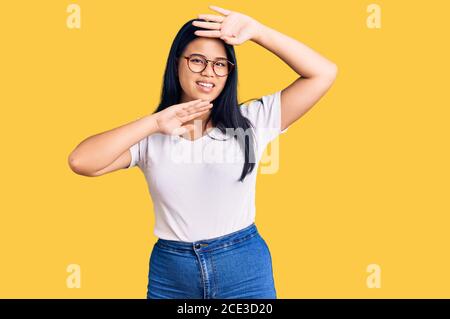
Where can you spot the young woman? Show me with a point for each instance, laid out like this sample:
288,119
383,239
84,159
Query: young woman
199,151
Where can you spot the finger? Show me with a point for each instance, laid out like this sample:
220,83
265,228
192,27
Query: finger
230,40
207,25
200,106
194,103
196,106
211,17
208,34
180,130
192,108
190,111
206,107
189,117
181,113
220,10
193,116
201,109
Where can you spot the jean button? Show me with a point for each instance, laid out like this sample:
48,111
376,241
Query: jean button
197,246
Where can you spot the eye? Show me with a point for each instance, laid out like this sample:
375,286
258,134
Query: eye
196,60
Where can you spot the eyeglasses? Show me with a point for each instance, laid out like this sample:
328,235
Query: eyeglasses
197,63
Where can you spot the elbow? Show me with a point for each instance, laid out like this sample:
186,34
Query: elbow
336,69
75,166
332,72
329,77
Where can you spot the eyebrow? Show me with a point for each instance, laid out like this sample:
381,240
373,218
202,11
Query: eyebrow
218,57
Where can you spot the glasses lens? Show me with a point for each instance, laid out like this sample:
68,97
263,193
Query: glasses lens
221,67
196,63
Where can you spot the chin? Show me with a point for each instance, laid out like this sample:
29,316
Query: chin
205,96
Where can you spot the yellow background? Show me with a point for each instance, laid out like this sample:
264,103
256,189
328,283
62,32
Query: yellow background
363,177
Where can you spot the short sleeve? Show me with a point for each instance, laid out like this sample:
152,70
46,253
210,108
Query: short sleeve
265,114
138,153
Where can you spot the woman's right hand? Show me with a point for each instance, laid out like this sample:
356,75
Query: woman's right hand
170,120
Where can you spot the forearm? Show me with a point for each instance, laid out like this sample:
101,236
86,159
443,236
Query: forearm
302,59
100,150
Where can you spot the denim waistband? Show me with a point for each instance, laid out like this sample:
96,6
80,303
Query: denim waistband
211,243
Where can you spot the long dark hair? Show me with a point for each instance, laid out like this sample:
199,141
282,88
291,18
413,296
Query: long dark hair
226,112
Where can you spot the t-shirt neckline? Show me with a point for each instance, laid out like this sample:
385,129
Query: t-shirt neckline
198,138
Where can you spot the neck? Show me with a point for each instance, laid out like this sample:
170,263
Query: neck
201,124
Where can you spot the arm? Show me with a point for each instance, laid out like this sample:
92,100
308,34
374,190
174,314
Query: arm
108,151
317,73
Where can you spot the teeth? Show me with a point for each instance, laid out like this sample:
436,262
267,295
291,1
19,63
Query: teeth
209,85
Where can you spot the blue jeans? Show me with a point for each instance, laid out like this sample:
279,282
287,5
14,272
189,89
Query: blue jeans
236,265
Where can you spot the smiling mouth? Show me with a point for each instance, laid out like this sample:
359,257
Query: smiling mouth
204,88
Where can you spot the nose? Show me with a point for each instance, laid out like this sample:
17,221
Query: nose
209,70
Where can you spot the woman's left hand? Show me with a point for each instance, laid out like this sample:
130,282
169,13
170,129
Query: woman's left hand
233,28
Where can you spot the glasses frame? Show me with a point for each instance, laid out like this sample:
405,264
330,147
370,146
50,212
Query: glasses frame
207,62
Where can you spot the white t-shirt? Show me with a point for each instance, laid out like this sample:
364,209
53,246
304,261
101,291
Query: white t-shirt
194,185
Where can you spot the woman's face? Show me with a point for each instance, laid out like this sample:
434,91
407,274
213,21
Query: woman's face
212,49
